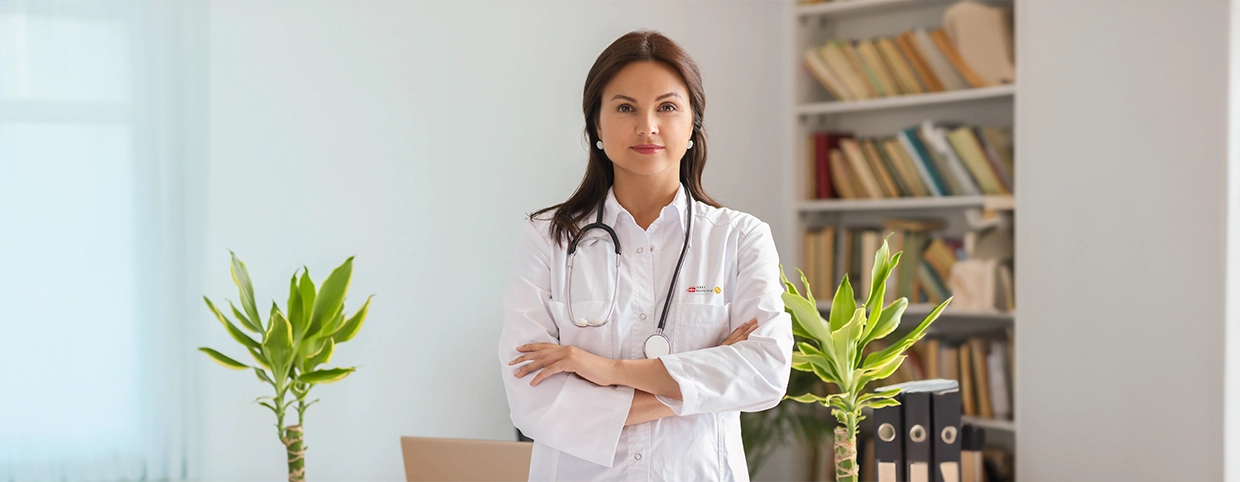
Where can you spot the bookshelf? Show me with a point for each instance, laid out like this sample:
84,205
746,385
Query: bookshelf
815,109
838,107
996,203
844,8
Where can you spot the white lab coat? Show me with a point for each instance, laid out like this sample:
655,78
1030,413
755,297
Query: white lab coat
578,427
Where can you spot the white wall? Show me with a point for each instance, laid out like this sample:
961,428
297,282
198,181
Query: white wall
1122,138
415,135
1231,396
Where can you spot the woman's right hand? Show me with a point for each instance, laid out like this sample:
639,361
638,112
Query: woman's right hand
741,332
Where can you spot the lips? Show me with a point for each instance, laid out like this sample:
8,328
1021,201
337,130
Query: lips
647,148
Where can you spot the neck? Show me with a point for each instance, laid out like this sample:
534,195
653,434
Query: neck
645,198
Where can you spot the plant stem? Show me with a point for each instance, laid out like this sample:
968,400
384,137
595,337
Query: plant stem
846,449
296,453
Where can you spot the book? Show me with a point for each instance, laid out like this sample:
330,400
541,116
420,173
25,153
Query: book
906,271
908,47
1000,139
949,51
949,363
822,72
858,166
886,183
869,81
1008,294
824,187
982,35
813,184
921,159
898,67
904,164
873,147
962,181
938,63
965,367
996,163
941,258
934,286
826,267
970,152
844,181
834,57
996,367
872,60
981,377
932,358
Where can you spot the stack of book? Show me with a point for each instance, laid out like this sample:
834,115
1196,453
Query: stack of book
972,50
915,62
982,365
926,271
928,160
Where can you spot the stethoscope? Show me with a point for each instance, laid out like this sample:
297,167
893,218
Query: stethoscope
657,344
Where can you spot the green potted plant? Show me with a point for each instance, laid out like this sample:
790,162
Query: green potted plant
291,348
834,350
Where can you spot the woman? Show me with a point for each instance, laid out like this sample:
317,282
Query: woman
636,365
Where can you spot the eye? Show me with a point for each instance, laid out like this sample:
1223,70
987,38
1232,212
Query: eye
624,108
669,104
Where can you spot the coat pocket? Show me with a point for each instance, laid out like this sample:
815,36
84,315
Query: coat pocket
700,326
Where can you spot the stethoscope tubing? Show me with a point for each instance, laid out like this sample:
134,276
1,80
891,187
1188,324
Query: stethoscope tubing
599,224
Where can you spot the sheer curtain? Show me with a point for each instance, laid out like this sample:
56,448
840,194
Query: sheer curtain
98,134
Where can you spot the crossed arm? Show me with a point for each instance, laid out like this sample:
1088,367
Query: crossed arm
649,378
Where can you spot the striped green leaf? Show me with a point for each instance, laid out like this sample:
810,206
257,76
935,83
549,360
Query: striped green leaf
223,359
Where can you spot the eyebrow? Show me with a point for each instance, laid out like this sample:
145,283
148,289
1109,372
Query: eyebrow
659,98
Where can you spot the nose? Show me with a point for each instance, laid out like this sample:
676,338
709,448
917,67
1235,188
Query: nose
648,125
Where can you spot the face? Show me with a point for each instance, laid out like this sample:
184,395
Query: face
646,120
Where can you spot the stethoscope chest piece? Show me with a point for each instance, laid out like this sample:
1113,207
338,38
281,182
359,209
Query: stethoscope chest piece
657,346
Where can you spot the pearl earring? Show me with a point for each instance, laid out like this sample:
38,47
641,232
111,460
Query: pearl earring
690,144
599,144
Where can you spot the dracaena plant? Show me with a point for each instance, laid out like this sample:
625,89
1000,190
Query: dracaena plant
290,347
835,347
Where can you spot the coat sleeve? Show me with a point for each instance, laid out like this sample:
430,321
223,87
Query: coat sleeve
564,411
751,375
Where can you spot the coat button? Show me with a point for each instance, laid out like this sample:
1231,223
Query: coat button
639,250
641,316
638,456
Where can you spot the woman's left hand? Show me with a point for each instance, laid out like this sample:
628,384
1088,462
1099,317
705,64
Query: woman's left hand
551,359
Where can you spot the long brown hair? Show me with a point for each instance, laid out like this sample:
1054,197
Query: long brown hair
639,45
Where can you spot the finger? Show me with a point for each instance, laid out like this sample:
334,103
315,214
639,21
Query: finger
534,347
537,362
747,333
740,329
745,327
551,370
521,358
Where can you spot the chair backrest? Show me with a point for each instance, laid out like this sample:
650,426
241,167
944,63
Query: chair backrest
445,459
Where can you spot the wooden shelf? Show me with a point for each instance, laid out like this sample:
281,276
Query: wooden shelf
998,203
1007,426
838,107
850,7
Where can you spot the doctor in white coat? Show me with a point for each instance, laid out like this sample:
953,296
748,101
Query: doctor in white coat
636,364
